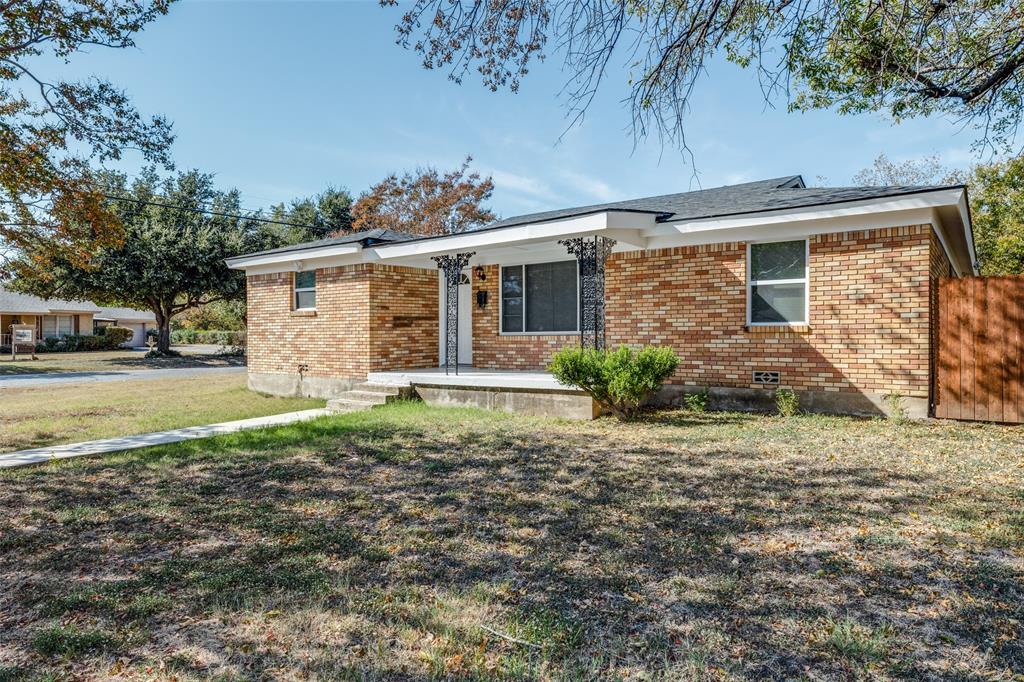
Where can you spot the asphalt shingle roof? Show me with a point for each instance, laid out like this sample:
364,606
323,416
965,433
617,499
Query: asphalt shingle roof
127,314
13,302
773,194
748,197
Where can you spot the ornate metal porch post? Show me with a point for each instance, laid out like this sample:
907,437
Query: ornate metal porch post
452,266
591,253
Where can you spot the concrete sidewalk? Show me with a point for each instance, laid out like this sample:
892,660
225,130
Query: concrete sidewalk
57,378
145,440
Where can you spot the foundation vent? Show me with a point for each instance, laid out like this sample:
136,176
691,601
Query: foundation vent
767,378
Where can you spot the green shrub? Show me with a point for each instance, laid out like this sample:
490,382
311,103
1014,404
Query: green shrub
787,402
619,380
697,402
117,335
217,338
110,339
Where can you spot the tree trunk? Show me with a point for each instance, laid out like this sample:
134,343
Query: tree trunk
163,325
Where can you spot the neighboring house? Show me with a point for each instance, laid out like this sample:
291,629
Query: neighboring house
828,291
55,318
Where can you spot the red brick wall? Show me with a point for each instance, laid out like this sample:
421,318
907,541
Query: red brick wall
368,317
869,315
404,318
491,350
332,342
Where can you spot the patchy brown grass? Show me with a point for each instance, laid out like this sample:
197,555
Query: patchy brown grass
396,544
70,413
113,360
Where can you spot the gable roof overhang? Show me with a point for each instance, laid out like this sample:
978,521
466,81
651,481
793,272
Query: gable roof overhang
944,208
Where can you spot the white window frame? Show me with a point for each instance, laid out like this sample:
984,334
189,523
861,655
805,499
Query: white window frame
296,290
56,326
501,299
805,280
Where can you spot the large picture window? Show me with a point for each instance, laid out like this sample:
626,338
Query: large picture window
55,326
305,290
540,298
777,283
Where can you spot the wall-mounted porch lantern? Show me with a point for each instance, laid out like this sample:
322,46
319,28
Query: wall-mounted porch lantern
480,275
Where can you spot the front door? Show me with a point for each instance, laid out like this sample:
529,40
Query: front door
465,320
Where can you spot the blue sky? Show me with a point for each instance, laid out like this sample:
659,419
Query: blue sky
281,99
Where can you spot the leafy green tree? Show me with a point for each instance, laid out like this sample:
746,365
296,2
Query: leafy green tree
51,133
329,212
907,58
997,211
171,260
996,193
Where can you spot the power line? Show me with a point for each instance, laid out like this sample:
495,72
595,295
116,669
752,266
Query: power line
220,214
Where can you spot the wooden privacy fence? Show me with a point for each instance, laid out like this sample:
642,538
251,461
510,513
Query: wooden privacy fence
979,365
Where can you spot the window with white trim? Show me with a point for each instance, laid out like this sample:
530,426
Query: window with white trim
304,287
540,298
56,326
777,275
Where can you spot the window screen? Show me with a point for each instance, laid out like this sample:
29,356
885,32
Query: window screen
777,288
305,290
540,298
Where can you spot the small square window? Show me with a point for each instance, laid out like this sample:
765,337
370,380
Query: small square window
304,287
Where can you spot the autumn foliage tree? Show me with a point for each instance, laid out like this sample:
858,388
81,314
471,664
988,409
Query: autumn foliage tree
52,132
426,202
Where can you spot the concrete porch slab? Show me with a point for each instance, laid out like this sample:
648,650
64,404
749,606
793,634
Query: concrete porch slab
531,393
471,377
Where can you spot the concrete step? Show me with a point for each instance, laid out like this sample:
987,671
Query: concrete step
343,404
370,396
403,390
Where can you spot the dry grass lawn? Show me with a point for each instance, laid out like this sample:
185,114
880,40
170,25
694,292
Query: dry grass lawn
51,415
114,360
412,543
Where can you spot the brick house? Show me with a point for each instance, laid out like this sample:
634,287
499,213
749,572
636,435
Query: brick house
828,291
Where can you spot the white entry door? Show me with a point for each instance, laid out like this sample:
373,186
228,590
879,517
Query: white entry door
465,321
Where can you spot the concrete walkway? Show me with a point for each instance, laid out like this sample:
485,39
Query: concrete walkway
57,378
145,440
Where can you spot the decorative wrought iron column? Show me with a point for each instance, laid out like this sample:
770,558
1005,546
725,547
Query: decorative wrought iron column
452,266
592,254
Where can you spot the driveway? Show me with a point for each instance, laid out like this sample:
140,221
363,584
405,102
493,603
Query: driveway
56,378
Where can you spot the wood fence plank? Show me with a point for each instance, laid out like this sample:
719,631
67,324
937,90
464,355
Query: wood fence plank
1015,353
979,364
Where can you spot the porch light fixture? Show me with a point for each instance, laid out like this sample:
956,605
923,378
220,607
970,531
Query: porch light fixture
480,275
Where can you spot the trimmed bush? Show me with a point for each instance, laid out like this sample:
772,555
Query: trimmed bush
110,339
117,335
619,380
217,338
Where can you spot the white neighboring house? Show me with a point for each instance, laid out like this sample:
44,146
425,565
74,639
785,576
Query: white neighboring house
139,321
54,318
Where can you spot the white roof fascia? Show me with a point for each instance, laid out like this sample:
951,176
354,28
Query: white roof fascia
597,223
965,218
285,257
924,200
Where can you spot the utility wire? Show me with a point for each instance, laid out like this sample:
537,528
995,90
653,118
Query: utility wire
220,214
